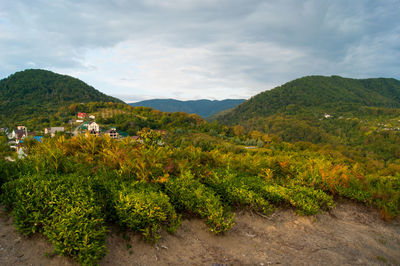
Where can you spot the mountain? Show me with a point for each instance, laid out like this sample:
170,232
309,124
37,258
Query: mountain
204,108
361,117
34,92
316,95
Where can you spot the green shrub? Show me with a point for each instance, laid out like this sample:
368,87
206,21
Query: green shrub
8,171
234,193
61,207
29,198
78,230
189,194
305,199
142,209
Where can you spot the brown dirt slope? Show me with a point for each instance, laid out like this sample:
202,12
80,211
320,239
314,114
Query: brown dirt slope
351,234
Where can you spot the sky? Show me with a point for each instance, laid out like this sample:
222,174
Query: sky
199,49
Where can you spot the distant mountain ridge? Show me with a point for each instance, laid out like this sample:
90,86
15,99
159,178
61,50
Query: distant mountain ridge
28,93
204,108
321,93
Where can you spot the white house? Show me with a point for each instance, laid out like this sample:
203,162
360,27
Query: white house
12,135
18,134
93,128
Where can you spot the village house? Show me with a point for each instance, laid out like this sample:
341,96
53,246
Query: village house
53,130
11,135
93,128
81,115
92,117
112,133
17,134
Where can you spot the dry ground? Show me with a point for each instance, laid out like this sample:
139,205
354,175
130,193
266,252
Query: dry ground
351,234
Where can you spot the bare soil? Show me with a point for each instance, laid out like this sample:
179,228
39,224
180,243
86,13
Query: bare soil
351,234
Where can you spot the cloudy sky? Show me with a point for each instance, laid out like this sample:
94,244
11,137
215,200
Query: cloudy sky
192,49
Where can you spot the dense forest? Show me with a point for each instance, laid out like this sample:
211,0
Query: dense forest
203,108
72,189
319,95
39,94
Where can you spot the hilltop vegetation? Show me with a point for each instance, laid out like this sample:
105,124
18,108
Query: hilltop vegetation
203,108
39,95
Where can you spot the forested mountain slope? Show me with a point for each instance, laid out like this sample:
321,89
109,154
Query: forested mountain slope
360,113
34,92
321,94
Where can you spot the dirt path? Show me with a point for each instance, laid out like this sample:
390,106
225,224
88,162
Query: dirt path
350,235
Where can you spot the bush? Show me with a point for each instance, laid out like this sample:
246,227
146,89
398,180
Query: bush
141,208
234,193
61,207
307,200
189,194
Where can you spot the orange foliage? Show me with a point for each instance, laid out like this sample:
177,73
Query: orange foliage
337,176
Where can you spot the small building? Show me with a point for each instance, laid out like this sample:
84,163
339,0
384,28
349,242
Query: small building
79,121
327,116
12,135
93,128
19,134
92,117
112,133
53,130
81,115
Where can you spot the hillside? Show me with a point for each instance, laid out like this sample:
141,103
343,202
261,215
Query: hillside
318,94
204,108
363,114
37,93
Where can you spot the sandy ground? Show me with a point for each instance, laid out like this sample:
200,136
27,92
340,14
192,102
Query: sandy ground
351,234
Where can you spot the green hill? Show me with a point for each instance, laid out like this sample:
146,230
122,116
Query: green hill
363,114
318,94
35,93
204,108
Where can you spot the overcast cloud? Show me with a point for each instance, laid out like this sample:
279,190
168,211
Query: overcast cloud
187,49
